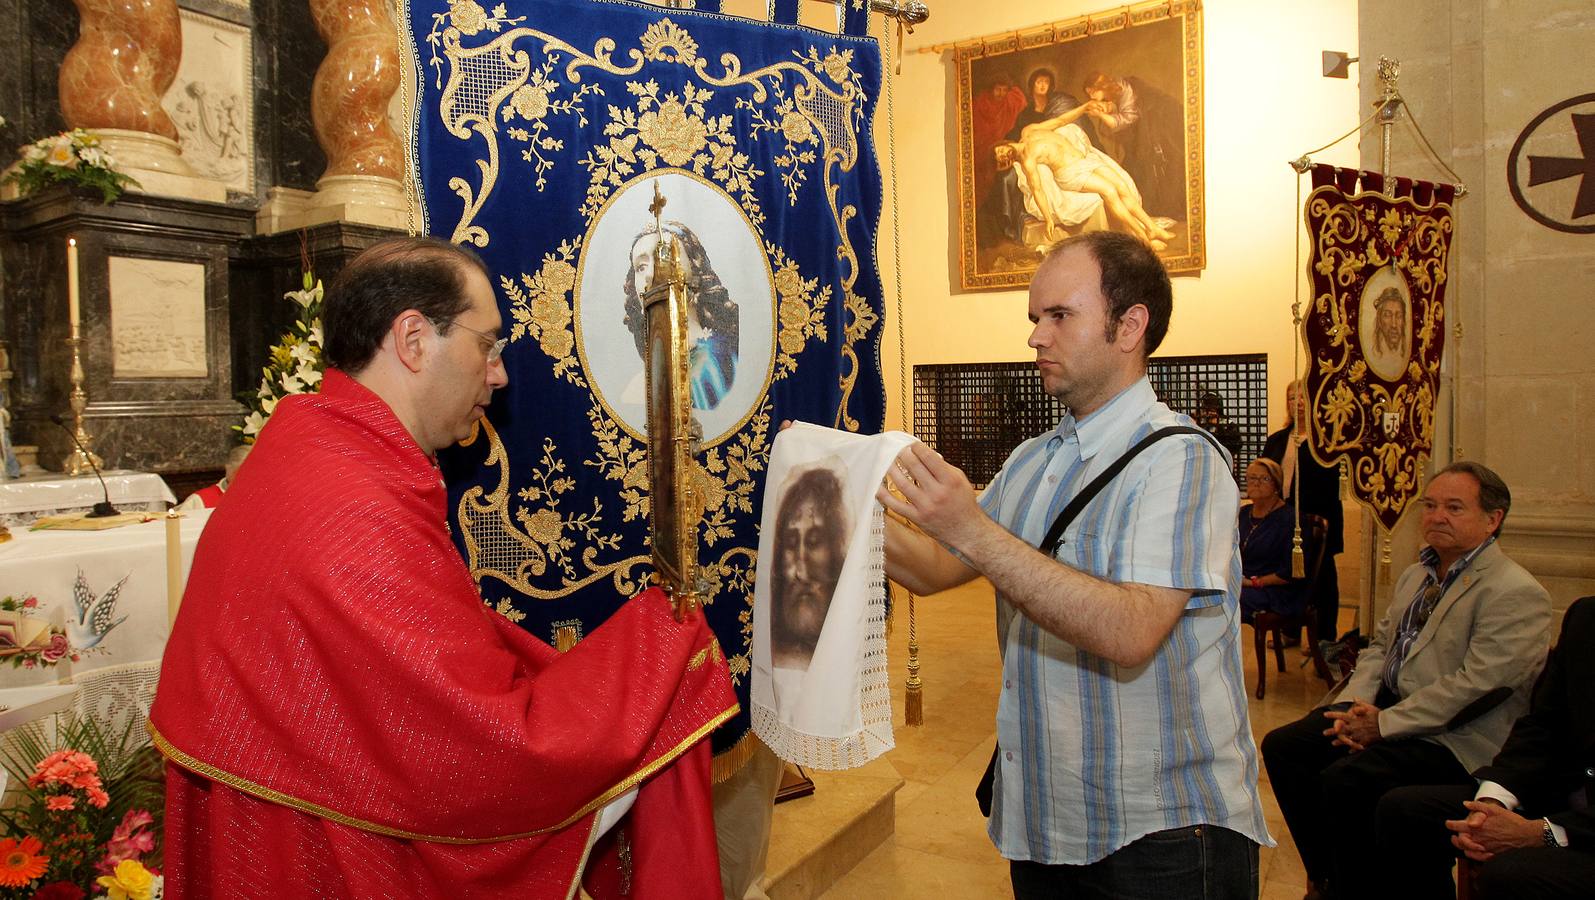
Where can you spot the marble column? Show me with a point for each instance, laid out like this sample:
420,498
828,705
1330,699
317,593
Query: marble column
349,107
112,81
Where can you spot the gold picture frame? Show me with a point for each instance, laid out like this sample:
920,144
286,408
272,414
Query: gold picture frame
1084,124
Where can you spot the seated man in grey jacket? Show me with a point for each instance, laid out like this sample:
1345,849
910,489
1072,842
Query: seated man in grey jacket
1433,696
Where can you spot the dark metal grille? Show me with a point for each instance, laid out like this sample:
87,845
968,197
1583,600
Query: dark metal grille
975,414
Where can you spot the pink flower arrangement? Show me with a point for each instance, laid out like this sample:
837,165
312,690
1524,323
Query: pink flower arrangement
84,844
131,840
65,771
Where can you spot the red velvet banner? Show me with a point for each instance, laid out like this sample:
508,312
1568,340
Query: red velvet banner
1375,329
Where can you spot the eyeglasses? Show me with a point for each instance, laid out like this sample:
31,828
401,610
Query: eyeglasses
495,345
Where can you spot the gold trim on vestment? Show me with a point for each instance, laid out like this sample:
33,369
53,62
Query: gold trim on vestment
581,865
205,770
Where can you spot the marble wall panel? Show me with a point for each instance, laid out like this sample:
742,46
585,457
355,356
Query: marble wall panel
289,50
212,100
34,38
157,318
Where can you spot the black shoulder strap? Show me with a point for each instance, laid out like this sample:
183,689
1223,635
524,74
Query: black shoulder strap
1078,503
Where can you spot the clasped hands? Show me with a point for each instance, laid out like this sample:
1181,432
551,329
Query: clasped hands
1354,728
1490,828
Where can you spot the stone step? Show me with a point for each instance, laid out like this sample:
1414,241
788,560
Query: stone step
815,840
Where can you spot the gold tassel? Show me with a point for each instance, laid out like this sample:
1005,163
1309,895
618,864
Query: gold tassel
1298,557
1384,562
733,758
913,691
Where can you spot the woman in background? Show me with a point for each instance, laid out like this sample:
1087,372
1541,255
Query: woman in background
1265,540
1320,496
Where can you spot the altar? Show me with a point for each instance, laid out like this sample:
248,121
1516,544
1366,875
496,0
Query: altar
23,500
119,578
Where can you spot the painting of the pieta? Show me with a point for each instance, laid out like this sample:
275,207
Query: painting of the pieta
1084,125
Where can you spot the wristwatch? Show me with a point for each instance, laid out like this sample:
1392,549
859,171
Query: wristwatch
1549,835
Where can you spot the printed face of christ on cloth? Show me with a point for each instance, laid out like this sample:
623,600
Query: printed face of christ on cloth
812,529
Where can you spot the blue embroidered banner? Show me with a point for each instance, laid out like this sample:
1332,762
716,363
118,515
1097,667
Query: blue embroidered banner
541,130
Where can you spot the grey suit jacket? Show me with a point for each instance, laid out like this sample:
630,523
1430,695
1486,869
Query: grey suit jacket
1491,629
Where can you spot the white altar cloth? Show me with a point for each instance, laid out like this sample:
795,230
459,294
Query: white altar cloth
118,673
22,500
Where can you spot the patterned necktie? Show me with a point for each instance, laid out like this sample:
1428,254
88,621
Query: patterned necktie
1412,622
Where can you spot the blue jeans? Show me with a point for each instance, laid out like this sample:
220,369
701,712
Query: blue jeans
1200,861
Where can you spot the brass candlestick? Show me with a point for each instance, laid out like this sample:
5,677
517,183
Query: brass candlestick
79,460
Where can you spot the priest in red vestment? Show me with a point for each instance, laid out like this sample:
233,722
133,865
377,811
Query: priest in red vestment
342,715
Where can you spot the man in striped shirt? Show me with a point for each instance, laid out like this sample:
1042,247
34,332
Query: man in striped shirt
1125,762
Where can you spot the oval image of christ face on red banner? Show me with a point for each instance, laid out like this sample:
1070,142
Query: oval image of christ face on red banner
1384,324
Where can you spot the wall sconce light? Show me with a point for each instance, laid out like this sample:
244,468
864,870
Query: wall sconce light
1336,63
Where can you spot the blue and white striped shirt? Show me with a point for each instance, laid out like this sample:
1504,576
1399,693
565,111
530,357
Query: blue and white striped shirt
1092,755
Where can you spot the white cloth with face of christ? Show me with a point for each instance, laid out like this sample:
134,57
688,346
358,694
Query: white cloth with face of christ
820,690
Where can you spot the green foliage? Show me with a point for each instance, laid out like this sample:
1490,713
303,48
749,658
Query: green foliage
295,365
71,157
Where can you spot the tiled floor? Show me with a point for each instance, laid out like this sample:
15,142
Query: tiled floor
940,848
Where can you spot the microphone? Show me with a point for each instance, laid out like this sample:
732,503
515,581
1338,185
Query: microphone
103,508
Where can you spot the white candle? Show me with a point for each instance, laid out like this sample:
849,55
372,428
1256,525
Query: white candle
72,283
174,564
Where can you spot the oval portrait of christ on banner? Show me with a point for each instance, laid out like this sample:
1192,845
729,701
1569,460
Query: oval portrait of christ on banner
1384,324
730,321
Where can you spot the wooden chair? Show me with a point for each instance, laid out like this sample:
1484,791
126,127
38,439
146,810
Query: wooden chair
1266,623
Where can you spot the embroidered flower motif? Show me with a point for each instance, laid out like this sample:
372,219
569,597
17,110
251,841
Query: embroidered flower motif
796,128
838,65
20,861
1391,226
544,526
531,101
676,135
794,315
552,316
559,276
788,283
467,16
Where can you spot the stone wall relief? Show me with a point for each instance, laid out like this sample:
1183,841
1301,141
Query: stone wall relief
157,318
211,100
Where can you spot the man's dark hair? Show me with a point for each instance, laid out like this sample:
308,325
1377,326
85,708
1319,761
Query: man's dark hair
425,274
1493,492
1131,275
